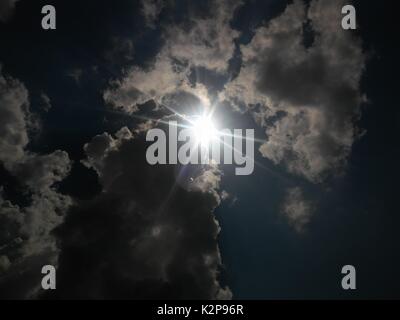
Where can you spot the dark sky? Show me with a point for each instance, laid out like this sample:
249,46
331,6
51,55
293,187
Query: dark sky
77,192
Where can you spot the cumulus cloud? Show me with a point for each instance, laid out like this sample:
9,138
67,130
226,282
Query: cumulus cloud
314,88
200,41
26,241
297,209
7,8
208,180
144,236
40,172
141,85
301,85
14,115
209,41
25,231
160,218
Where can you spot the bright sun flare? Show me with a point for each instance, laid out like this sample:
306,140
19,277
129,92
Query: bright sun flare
204,130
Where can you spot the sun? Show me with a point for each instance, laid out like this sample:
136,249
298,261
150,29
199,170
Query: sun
204,130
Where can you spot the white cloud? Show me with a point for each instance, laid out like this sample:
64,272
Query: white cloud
208,42
307,97
202,42
315,88
141,85
208,180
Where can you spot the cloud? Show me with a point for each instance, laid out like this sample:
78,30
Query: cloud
46,102
27,243
208,180
4,264
200,41
144,236
25,231
7,8
313,88
40,172
151,232
150,10
209,41
14,120
296,209
229,198
141,85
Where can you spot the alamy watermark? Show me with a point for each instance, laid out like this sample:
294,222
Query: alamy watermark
202,144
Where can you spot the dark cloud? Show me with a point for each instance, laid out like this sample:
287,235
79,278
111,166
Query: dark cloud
39,172
14,114
144,236
25,230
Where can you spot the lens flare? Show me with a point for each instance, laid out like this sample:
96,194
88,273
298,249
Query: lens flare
204,130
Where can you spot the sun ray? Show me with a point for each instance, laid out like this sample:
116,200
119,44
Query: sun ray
242,137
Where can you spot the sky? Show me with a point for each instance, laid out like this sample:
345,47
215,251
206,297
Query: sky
77,192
